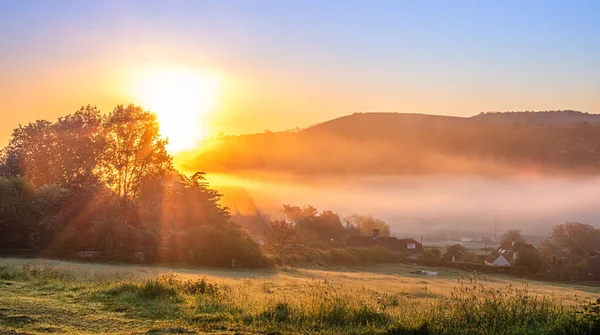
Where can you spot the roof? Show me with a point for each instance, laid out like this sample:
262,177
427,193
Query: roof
457,249
408,240
508,250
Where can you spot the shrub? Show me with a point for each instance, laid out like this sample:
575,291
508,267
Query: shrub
350,256
529,259
149,290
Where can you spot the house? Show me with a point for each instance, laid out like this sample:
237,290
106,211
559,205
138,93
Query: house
455,253
507,253
413,247
407,246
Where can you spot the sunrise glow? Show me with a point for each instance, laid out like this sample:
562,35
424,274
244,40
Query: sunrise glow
181,99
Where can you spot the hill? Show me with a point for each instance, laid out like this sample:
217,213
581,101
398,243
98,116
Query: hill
394,143
547,117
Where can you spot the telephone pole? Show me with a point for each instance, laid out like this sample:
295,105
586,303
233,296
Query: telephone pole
495,227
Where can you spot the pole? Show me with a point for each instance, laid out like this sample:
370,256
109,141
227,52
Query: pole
495,227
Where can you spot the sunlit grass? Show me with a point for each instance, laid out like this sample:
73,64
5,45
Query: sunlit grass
93,298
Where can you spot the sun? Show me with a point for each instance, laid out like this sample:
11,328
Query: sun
181,98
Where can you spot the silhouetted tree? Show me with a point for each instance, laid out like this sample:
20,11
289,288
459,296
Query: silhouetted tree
529,258
28,216
574,238
63,153
366,223
134,151
87,182
297,213
281,237
512,235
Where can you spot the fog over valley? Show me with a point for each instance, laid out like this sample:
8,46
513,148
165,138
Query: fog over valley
426,204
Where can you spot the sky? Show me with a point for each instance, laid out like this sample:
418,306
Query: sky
286,64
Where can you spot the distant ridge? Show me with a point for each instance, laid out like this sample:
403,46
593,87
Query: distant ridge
395,143
540,117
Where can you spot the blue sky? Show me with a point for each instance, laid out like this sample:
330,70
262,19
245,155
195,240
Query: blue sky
300,62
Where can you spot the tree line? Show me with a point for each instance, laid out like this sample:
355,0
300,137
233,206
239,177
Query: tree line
106,183
305,228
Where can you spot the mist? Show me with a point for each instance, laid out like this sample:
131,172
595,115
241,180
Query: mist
428,204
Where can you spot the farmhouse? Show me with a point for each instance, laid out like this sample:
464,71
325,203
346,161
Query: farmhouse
507,253
455,253
413,248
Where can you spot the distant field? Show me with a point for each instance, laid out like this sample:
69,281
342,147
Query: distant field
44,296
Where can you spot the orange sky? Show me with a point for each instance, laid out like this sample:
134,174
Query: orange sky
286,65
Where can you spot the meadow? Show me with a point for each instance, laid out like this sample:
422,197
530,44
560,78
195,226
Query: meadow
46,296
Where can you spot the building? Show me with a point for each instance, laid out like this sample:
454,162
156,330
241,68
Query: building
507,253
455,253
413,248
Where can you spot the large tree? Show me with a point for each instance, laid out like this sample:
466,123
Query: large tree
574,239
63,153
134,152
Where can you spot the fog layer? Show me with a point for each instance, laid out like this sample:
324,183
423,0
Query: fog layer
425,204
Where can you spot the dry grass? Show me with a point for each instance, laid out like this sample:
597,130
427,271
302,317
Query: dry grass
80,298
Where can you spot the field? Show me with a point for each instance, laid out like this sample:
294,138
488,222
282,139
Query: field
46,296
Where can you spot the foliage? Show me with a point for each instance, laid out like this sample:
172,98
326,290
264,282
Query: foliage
134,151
566,251
530,259
28,216
106,185
366,224
433,254
351,256
574,238
281,237
512,235
64,153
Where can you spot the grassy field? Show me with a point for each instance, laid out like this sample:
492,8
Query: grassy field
45,296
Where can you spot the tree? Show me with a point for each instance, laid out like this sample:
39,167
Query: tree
512,235
79,142
281,237
529,258
433,254
28,215
133,152
366,224
63,153
574,238
296,213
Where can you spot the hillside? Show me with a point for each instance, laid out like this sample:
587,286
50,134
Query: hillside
548,117
393,143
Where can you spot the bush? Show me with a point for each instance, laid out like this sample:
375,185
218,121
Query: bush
350,256
224,246
148,290
529,259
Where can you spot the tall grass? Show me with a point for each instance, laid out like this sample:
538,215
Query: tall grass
317,306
